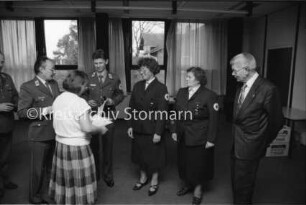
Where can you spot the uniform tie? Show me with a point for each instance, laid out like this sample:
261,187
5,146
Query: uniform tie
241,95
47,84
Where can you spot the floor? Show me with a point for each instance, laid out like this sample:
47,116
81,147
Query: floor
280,180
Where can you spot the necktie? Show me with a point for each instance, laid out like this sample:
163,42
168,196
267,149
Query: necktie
49,87
241,95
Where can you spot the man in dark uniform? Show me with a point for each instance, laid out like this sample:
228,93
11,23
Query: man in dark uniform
36,98
8,104
104,87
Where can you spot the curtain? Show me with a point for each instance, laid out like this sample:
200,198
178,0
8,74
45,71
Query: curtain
197,44
87,43
116,51
19,48
1,40
173,74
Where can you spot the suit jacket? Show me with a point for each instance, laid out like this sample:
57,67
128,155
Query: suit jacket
109,89
201,125
258,121
145,101
34,96
8,94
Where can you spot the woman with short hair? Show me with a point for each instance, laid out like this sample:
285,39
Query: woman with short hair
196,133
73,175
146,131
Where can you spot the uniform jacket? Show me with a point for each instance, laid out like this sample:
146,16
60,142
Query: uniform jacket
154,98
109,89
258,120
8,94
200,125
34,96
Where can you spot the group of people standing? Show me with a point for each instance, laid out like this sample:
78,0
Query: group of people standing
66,170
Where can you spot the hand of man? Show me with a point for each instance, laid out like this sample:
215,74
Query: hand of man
156,138
92,103
209,144
174,137
130,133
6,107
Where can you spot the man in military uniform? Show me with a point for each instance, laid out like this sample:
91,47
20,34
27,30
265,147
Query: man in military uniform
36,98
104,87
8,104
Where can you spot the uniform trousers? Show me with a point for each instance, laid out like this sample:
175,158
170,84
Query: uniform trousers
5,151
41,164
102,148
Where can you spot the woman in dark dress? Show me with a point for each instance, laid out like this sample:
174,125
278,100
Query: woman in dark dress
146,129
195,133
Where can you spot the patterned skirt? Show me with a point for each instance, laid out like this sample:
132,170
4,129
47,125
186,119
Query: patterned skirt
73,175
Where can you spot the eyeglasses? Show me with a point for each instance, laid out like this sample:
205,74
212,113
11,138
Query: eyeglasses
237,71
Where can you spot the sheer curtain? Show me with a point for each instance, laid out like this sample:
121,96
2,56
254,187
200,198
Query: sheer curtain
19,48
197,44
116,50
87,43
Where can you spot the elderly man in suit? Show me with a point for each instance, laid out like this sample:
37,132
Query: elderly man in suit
104,87
257,119
8,104
36,98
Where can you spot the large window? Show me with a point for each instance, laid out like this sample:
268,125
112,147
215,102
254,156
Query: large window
147,39
61,40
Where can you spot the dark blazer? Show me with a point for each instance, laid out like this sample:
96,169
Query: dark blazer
34,96
109,89
201,125
258,121
8,94
154,98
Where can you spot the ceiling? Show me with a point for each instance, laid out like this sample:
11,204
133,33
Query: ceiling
169,9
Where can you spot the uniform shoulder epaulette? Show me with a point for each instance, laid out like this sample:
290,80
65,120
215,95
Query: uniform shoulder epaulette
93,74
110,75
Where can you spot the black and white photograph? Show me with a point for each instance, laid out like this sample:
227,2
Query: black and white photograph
153,102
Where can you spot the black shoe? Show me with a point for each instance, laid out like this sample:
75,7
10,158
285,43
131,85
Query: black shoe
139,185
196,200
153,189
184,190
109,182
10,185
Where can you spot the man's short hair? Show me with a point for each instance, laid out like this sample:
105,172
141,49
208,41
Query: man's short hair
99,54
74,81
39,62
150,63
199,74
249,60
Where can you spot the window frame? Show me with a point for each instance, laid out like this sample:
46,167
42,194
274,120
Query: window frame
41,39
128,47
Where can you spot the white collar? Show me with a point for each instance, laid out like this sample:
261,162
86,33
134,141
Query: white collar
251,81
194,88
150,81
41,80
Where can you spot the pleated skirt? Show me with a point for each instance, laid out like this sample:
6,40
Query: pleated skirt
150,157
73,175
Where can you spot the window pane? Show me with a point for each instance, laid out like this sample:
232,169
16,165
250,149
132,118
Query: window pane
62,41
148,40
